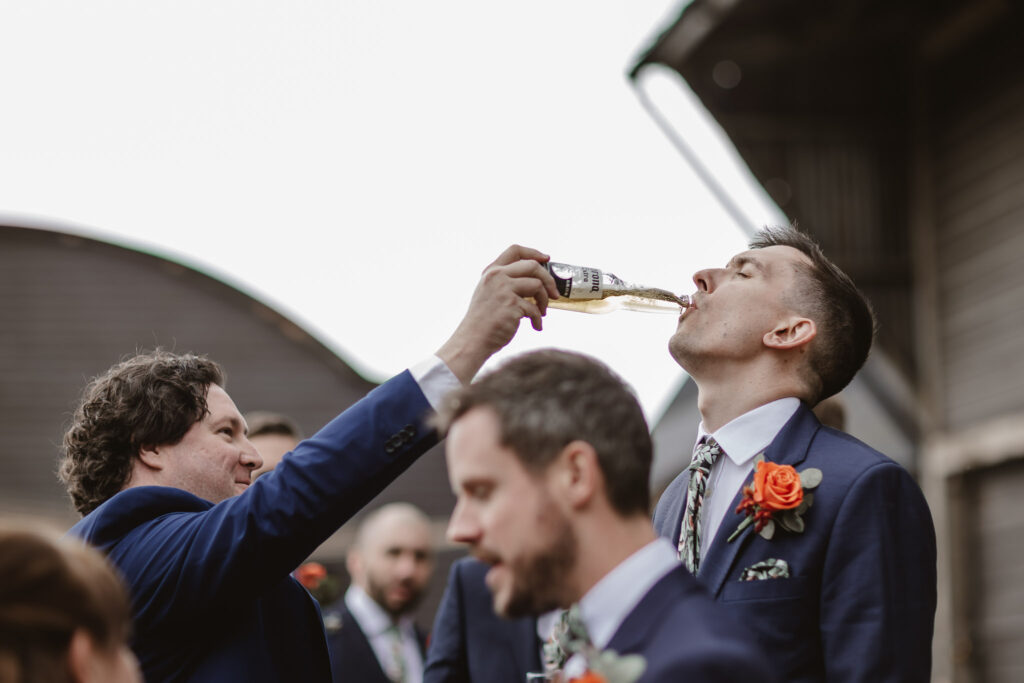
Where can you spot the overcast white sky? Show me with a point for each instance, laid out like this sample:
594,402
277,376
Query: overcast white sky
356,163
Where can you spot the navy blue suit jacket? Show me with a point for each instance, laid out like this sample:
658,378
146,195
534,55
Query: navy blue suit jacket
470,643
859,604
684,636
352,656
211,591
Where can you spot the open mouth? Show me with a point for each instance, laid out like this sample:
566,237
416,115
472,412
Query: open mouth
400,593
495,564
487,558
493,577
686,311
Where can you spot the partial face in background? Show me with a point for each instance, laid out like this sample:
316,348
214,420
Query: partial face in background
508,518
736,306
92,663
393,559
271,448
214,460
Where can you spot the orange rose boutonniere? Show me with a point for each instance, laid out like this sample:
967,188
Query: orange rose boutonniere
779,496
310,575
321,585
589,677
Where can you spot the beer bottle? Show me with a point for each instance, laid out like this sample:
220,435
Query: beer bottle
591,290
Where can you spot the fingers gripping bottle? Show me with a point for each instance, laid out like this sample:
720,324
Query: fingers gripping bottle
591,290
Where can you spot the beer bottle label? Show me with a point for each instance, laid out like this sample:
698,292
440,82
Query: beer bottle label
576,282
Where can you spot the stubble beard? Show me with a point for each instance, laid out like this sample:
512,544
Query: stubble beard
378,592
540,580
678,348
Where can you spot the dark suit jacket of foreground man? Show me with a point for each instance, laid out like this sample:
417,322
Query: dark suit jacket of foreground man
684,636
859,604
472,644
680,632
207,589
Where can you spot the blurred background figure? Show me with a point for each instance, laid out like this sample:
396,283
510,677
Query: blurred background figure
371,633
64,613
273,435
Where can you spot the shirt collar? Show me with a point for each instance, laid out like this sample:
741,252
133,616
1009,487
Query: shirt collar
372,618
607,604
749,434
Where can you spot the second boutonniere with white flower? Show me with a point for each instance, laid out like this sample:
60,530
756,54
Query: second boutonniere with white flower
601,666
779,496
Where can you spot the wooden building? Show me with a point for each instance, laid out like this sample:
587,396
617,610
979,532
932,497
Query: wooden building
894,132
71,306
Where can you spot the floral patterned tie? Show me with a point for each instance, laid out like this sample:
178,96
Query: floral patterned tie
690,534
397,672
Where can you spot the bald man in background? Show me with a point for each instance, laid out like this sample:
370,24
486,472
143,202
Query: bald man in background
370,632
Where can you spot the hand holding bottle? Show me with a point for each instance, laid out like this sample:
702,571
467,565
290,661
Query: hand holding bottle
515,286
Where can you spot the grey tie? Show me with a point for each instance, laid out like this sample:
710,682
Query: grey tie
690,533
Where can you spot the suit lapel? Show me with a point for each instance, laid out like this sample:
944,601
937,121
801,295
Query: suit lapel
633,632
526,646
422,640
679,507
362,649
790,447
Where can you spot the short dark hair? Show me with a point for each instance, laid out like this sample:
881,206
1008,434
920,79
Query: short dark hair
261,422
150,399
546,399
841,312
51,587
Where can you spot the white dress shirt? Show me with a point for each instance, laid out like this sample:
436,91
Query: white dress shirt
610,601
742,439
435,380
376,625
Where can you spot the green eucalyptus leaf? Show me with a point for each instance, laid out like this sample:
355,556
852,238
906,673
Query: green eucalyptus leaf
616,669
759,458
785,519
807,502
768,530
796,524
810,477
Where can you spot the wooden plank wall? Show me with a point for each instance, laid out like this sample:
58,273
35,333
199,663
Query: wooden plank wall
978,186
995,615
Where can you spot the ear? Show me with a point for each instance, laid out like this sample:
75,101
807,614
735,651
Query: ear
791,333
153,457
580,474
80,655
354,563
